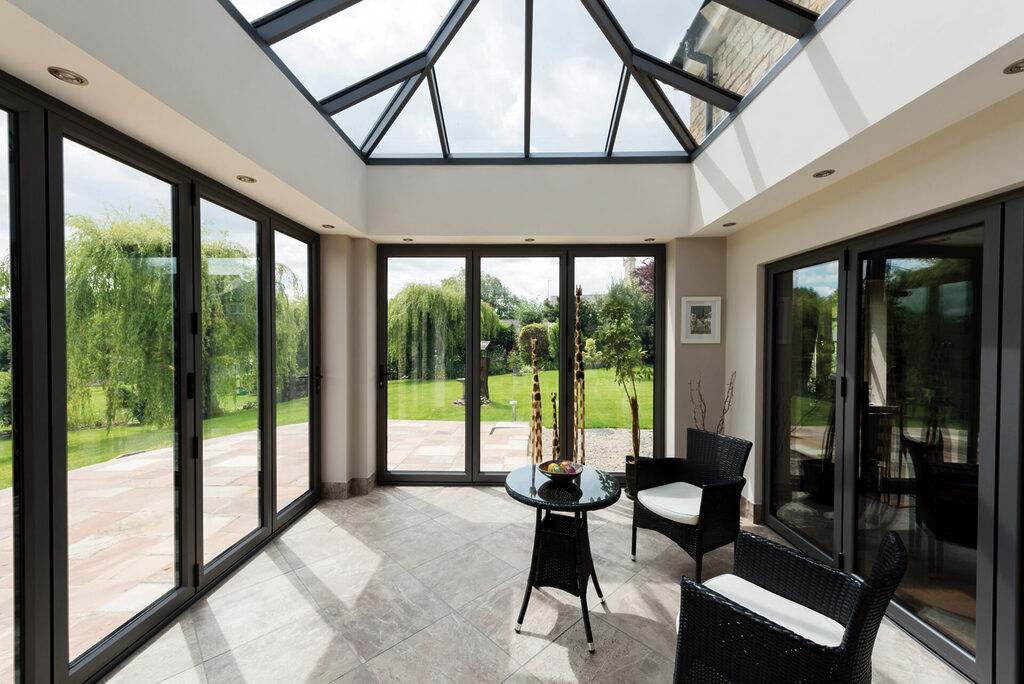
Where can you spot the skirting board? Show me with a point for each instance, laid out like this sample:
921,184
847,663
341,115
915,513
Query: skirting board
751,511
357,486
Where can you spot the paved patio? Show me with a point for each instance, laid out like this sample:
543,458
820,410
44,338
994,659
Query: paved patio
418,584
440,445
121,528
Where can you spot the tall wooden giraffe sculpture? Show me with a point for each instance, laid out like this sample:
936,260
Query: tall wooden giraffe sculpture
579,437
555,447
536,419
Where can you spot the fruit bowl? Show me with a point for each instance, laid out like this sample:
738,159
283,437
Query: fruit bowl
561,471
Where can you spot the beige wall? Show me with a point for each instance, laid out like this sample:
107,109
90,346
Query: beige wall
349,349
977,157
695,267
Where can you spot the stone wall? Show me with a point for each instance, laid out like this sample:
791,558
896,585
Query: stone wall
743,50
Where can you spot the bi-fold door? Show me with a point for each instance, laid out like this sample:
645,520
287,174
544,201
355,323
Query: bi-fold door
456,327
879,353
159,381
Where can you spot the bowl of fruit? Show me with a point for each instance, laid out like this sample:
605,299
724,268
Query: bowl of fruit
561,471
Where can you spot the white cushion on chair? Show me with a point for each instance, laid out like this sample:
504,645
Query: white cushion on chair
809,624
679,501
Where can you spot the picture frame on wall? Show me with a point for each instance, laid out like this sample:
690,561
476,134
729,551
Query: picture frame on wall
701,320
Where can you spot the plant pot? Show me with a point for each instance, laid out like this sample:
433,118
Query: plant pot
630,476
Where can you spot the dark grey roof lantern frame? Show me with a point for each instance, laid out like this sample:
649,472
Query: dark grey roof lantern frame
646,70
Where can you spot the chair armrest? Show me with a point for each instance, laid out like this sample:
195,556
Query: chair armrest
790,574
720,511
654,472
720,640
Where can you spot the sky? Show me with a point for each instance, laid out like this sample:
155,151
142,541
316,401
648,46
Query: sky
822,278
532,278
481,75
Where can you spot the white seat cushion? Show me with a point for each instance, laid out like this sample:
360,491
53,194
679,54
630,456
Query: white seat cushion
679,501
809,624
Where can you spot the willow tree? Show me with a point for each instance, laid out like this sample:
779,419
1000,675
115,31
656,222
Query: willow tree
119,299
427,331
291,322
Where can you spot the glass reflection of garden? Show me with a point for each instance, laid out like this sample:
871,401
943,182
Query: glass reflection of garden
426,367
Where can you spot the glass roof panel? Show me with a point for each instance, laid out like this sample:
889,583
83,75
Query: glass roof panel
254,9
691,34
693,112
641,128
414,132
575,78
818,6
480,78
360,41
357,119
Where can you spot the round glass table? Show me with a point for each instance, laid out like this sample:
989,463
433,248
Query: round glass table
561,544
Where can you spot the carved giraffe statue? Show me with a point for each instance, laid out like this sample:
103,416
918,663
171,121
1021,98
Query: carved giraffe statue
579,437
555,447
536,419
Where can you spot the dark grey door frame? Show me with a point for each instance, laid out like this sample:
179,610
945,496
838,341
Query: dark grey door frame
472,255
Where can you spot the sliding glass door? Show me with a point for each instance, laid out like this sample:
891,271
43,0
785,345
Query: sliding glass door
7,453
459,331
879,420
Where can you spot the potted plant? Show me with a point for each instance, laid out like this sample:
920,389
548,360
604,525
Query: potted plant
621,350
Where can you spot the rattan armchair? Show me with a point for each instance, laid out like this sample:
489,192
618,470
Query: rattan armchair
695,501
830,618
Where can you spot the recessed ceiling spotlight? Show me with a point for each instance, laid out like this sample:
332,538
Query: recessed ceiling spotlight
1015,68
328,226
825,173
648,239
530,240
68,76
730,224
406,239
246,179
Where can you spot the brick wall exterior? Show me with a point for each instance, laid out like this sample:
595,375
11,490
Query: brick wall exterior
743,51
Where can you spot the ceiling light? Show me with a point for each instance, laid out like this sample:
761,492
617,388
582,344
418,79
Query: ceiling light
1015,68
648,239
328,226
529,240
68,76
246,179
730,224
406,239
824,173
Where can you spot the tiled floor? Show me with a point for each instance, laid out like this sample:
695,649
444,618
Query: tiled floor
424,584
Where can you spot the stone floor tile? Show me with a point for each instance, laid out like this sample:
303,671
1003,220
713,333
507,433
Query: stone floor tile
174,651
308,650
461,575
420,543
449,650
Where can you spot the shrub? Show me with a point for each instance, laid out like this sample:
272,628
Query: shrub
535,331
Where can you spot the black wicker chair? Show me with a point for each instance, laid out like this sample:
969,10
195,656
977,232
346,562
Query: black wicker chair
721,640
714,464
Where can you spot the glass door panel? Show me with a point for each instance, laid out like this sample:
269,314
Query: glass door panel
805,350
618,351
7,646
917,470
229,380
120,283
291,329
519,302
426,364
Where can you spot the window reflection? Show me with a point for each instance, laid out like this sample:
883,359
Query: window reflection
804,401
918,461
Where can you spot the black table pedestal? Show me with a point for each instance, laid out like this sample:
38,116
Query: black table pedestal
561,559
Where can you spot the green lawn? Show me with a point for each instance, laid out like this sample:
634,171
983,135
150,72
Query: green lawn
432,400
96,445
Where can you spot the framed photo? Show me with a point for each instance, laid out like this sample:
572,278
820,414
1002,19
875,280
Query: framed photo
702,320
